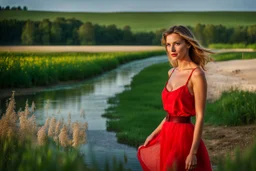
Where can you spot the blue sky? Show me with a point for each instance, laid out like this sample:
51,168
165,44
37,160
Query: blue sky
134,5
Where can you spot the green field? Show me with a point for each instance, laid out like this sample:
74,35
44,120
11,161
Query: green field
142,21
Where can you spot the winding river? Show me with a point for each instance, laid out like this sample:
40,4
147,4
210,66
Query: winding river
91,97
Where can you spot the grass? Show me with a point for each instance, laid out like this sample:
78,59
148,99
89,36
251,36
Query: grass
232,46
244,160
141,21
233,108
137,111
140,106
37,69
234,56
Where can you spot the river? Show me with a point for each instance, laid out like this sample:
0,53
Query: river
91,97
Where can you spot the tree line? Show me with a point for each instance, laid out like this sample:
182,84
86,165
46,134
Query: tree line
18,8
63,31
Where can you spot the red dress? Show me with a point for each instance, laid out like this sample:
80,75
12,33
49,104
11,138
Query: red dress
171,146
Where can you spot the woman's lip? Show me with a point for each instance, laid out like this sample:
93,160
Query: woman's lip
174,54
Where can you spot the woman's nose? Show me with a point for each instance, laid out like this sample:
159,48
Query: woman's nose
173,49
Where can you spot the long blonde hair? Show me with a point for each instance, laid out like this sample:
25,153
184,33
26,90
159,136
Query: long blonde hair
197,53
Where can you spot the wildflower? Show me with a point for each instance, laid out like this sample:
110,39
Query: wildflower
33,106
41,136
63,137
51,129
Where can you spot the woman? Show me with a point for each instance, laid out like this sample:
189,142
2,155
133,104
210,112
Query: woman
176,143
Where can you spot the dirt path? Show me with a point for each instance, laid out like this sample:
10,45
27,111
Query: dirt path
225,75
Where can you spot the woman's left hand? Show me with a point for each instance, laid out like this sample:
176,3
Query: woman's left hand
191,162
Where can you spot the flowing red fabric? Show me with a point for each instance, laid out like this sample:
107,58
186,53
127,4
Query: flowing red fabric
170,148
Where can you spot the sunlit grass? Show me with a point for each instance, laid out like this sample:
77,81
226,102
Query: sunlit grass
233,56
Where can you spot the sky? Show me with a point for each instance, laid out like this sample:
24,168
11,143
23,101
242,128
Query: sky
133,5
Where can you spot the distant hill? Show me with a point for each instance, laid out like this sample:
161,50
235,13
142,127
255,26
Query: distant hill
142,21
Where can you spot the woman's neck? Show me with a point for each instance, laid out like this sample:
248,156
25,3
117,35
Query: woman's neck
184,64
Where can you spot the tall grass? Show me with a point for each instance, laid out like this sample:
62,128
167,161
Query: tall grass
234,107
53,146
243,160
36,69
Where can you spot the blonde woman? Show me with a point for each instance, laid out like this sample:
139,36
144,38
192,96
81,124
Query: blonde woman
176,143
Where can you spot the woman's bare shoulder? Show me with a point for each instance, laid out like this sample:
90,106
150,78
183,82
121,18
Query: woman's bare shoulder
198,74
170,71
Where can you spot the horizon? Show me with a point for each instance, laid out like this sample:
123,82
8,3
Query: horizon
112,6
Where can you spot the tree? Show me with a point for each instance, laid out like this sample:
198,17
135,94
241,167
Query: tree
208,33
7,8
198,32
44,30
239,35
25,8
56,33
28,33
86,34
251,32
157,38
127,37
113,35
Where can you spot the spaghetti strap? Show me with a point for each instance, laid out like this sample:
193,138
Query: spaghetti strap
191,74
171,73
169,76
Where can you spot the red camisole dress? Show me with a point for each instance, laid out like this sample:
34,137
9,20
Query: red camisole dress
170,148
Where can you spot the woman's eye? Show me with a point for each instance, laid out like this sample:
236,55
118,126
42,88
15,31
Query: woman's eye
177,43
168,45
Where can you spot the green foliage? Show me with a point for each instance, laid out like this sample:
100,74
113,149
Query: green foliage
71,31
86,34
244,160
28,34
235,107
17,155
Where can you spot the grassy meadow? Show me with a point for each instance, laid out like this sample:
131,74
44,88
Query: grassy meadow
141,21
39,69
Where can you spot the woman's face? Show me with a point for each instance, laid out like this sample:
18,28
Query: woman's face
176,47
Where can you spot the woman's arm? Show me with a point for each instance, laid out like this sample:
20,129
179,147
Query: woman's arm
200,89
